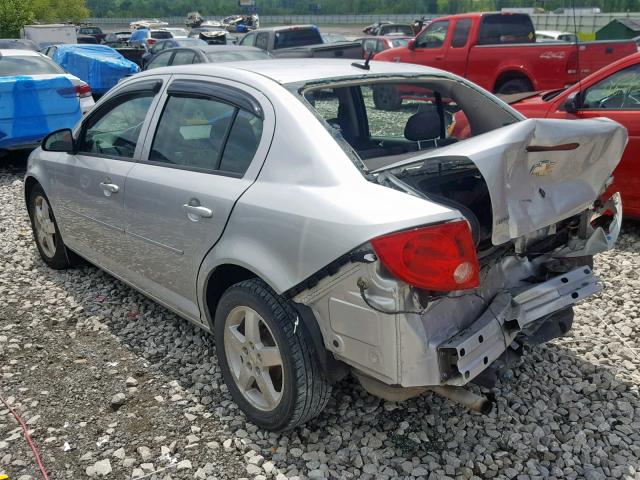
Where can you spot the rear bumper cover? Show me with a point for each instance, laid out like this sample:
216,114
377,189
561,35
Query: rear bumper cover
467,354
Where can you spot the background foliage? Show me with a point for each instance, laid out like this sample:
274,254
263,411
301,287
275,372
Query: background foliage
16,13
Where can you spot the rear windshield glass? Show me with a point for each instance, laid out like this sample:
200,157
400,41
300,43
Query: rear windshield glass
383,121
10,66
162,35
231,56
497,29
297,38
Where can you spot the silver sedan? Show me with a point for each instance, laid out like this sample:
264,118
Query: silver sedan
319,230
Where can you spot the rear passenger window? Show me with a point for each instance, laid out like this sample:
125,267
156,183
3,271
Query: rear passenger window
205,134
242,144
183,58
461,33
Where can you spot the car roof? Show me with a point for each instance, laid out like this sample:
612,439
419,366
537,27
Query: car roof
15,52
304,70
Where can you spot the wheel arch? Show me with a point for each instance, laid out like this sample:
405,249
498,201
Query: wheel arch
224,275
513,73
29,183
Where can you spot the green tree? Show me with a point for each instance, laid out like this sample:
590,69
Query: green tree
59,10
14,14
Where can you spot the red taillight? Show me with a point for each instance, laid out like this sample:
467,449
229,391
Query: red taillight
151,41
441,258
83,90
572,63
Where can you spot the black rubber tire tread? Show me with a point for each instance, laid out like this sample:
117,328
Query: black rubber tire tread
311,390
60,260
387,98
515,85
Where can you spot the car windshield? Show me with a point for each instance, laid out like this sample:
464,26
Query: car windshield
23,65
236,56
392,119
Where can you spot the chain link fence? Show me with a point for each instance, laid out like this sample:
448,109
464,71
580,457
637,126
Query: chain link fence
585,23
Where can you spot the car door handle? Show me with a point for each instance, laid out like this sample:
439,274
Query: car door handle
197,210
110,187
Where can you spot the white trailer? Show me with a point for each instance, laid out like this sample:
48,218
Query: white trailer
52,33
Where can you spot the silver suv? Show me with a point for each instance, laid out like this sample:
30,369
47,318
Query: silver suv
282,206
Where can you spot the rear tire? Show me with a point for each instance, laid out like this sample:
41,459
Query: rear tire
45,231
386,97
267,362
516,85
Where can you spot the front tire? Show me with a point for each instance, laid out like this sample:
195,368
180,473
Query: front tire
267,362
45,231
516,85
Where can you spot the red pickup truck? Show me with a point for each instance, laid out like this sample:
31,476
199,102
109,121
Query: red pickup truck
498,51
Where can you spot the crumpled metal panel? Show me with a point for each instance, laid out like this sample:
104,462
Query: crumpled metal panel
530,190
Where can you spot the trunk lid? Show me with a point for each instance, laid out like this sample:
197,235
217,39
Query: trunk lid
538,171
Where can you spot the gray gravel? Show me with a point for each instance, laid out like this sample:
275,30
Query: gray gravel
114,386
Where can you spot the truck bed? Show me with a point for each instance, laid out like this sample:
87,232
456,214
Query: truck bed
549,61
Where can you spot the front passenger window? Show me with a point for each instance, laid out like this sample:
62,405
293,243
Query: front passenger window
116,131
619,91
433,36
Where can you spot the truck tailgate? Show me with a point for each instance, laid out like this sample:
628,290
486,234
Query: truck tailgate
351,50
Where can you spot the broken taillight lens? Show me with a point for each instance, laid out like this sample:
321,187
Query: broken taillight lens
83,90
440,258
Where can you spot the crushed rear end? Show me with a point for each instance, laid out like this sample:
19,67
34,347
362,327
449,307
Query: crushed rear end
527,195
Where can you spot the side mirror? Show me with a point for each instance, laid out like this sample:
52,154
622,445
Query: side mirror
59,141
412,44
572,104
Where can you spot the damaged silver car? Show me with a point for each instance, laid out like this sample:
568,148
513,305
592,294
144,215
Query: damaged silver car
316,235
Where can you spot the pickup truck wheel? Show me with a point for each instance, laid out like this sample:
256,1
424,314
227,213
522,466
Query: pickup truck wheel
266,360
386,97
45,231
517,85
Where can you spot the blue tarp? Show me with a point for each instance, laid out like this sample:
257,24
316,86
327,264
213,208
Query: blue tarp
32,107
98,65
139,35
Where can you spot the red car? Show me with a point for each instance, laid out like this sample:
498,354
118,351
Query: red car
612,92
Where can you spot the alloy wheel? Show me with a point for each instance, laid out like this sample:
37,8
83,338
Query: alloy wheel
254,358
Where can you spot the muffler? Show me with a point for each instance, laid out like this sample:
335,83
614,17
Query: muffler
473,401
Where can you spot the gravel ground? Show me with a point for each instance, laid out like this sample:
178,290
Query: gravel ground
113,385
